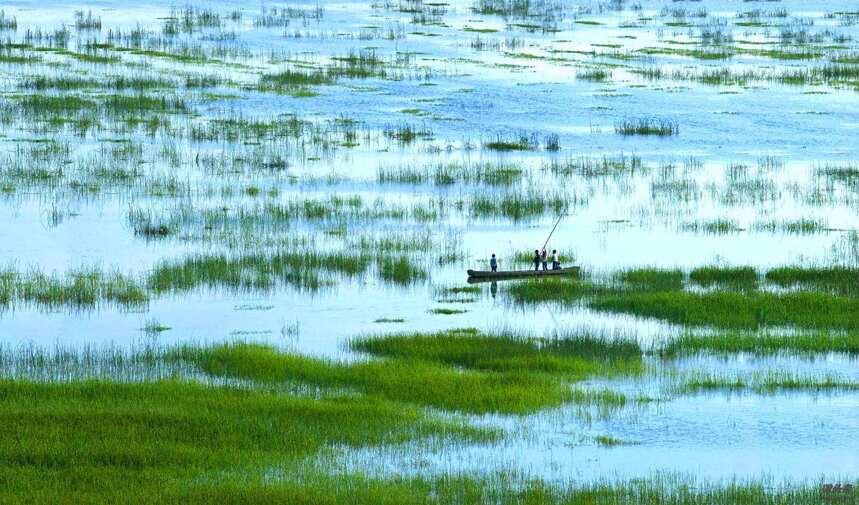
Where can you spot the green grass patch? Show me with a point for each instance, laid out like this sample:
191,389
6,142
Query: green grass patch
762,343
647,126
564,291
841,279
766,383
400,270
729,276
830,304
727,309
594,74
403,380
294,78
655,279
608,441
518,205
713,227
171,442
80,288
576,356
257,272
501,144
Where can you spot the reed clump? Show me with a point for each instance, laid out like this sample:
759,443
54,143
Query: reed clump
648,126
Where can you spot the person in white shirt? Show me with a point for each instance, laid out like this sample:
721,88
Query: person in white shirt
556,262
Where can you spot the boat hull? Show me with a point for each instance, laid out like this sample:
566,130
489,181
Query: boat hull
485,275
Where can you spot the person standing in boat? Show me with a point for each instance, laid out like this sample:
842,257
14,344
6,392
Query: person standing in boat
493,263
544,259
556,260
536,260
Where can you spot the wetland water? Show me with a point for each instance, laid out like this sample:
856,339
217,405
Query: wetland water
300,174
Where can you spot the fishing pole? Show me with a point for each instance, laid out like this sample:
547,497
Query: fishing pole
552,232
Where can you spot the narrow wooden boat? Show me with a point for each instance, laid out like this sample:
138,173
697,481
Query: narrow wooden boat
487,275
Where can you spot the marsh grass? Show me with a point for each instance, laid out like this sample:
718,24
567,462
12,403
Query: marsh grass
113,105
521,143
594,74
402,380
91,442
150,226
575,356
446,311
80,288
519,205
762,343
740,277
563,291
798,227
143,442
154,327
262,272
654,279
647,126
712,227
846,174
295,81
727,309
621,164
768,383
400,270
839,279
735,304
458,290
406,133
171,441
71,83
7,22
451,173
609,441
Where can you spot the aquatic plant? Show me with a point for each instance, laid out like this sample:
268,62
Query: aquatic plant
651,278
726,276
575,355
253,271
104,432
769,382
761,343
647,126
405,380
842,279
80,288
728,309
